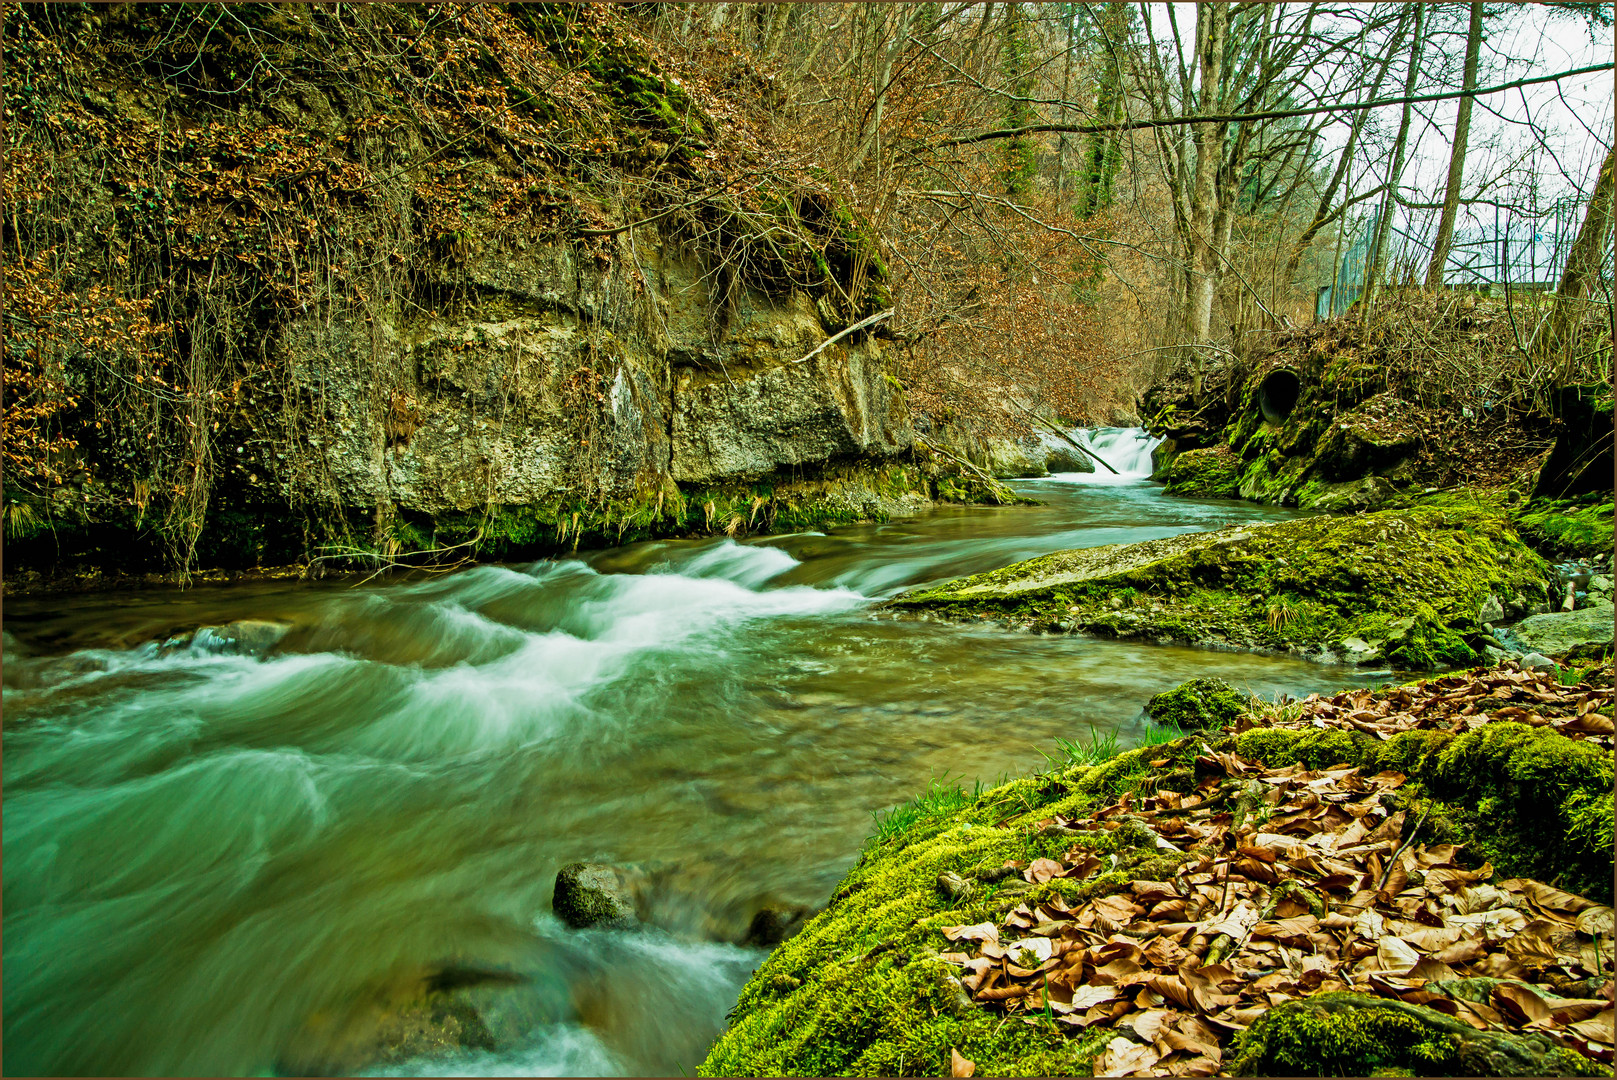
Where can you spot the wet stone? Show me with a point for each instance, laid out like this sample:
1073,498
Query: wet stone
594,895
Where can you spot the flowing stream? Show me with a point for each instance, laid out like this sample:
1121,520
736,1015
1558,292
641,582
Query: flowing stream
210,857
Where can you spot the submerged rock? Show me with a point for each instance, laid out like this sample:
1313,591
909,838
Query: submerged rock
776,923
1404,587
414,1015
594,894
244,637
1557,632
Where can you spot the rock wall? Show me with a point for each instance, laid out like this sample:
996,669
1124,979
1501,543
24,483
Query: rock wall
561,380
370,315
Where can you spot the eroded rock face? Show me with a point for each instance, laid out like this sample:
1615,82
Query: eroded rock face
1403,587
568,378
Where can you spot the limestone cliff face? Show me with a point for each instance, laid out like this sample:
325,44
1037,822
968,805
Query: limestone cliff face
496,292
562,379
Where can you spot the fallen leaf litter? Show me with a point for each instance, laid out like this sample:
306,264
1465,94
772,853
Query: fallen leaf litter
1311,892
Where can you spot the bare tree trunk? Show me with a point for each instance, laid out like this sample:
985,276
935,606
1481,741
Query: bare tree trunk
1583,265
1212,37
1378,255
1462,132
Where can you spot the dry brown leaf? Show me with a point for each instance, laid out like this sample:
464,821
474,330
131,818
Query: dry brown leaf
1041,870
1396,955
1550,897
1595,921
1123,1057
961,1066
980,932
1597,1028
1087,997
1521,1004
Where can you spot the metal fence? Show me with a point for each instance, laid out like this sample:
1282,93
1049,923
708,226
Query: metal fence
1494,247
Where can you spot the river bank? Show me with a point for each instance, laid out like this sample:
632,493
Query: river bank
1084,918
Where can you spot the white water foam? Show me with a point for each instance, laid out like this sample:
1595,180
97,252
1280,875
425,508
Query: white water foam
1128,450
495,658
555,1050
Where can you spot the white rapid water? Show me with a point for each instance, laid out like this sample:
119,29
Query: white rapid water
1128,450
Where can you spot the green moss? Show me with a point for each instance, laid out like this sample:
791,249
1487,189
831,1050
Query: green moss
1578,527
1199,703
860,991
1408,582
1355,1042
1214,473
1356,1035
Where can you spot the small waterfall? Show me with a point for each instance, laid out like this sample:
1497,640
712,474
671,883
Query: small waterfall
1128,450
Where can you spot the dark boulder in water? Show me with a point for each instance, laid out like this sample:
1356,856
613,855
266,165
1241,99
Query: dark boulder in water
594,894
774,924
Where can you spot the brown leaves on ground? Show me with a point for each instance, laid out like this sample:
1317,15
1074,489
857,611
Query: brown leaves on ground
1314,891
1461,702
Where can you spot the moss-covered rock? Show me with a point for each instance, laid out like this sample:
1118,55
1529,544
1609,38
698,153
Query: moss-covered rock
1198,703
1213,473
1400,586
593,894
1568,526
861,990
1359,1035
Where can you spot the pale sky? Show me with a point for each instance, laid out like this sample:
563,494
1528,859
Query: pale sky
1526,40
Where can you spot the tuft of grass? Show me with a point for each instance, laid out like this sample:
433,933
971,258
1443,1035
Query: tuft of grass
1099,748
942,796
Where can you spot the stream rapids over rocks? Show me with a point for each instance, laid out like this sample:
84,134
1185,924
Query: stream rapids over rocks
212,852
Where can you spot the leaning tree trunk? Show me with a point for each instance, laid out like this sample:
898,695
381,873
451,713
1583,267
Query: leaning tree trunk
1582,271
1462,132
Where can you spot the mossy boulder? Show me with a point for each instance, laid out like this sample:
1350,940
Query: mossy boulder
1346,1034
1401,586
861,990
1213,473
1199,703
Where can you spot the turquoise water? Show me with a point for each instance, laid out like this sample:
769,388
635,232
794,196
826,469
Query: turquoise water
218,863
